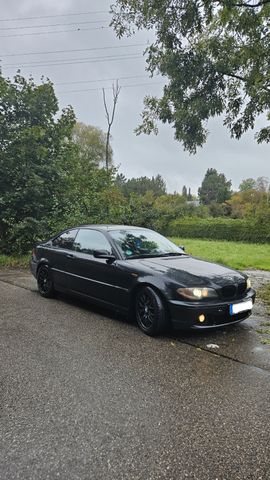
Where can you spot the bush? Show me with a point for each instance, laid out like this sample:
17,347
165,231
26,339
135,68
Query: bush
25,234
220,229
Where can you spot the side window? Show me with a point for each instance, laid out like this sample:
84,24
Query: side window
89,240
65,240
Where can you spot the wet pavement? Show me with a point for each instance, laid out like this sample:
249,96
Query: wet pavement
241,342
85,395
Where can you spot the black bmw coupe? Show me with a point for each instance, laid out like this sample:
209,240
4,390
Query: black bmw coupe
139,272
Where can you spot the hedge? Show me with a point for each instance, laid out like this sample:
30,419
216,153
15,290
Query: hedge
220,229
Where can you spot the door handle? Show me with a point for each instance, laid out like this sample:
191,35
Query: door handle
70,255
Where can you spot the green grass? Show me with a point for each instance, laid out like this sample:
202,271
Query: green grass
264,295
233,254
13,261
264,331
265,324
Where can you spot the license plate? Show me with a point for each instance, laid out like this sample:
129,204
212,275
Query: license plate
240,307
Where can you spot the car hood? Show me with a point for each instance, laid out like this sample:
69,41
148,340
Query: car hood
193,271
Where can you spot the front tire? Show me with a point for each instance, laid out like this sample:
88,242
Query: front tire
151,312
45,282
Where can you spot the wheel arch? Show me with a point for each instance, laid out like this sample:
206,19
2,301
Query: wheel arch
139,286
41,263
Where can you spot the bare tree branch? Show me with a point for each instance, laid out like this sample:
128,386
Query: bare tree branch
105,106
243,79
116,90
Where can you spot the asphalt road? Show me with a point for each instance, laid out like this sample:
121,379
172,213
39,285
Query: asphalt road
85,395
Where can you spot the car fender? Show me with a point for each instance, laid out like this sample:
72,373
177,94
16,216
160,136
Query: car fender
43,261
157,283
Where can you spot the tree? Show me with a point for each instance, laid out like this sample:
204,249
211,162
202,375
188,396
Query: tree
110,118
91,143
248,203
215,188
184,191
120,181
262,184
142,185
247,184
33,152
214,56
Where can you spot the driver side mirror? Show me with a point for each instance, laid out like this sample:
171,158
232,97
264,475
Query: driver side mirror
104,254
183,247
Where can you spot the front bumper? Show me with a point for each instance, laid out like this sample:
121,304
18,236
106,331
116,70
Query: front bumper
184,315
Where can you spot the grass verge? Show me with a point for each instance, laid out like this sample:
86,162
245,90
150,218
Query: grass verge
233,254
7,261
264,295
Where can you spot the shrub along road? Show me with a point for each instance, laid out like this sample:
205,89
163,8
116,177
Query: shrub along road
85,395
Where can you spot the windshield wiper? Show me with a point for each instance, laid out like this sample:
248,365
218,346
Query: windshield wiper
153,255
173,254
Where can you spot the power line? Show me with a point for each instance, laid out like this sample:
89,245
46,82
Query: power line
109,88
68,61
52,25
75,62
53,16
53,31
101,80
72,50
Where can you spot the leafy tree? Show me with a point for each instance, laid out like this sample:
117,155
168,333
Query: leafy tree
140,210
142,185
168,207
220,209
91,144
83,199
120,180
184,191
34,148
215,188
189,196
248,203
247,184
215,58
262,184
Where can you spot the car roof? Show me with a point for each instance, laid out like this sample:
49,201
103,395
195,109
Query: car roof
112,227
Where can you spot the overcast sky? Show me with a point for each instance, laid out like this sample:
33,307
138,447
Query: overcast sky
102,58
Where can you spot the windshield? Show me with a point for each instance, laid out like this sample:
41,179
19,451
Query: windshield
144,243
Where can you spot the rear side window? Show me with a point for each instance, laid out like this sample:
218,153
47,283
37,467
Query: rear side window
65,240
89,240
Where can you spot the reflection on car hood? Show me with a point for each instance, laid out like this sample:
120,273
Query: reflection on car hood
193,271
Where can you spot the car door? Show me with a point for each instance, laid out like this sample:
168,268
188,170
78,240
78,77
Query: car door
60,255
95,277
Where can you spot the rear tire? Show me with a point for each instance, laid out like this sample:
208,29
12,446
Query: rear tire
151,312
45,282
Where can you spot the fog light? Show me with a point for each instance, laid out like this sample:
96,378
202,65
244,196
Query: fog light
201,318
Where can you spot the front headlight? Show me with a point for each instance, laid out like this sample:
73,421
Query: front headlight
248,283
197,293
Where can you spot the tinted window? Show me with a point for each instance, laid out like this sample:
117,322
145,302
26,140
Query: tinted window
89,240
65,240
